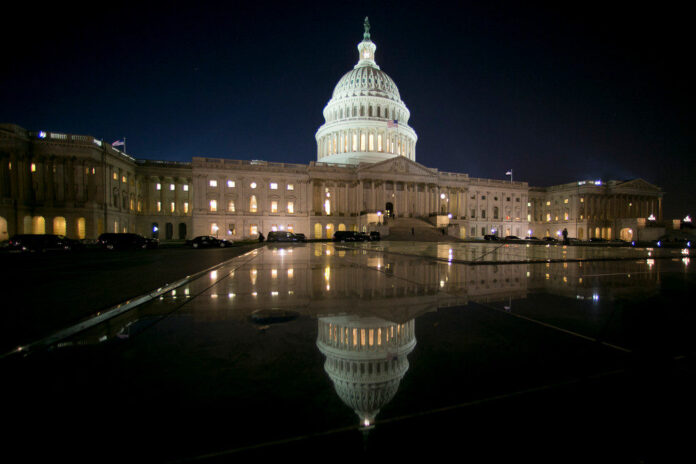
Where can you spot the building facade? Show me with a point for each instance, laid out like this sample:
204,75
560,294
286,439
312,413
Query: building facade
366,172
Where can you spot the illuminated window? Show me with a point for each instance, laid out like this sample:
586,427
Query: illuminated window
213,205
159,206
582,200
9,165
214,228
185,187
159,186
230,206
213,183
253,229
565,201
379,142
327,207
186,207
548,217
132,204
252,204
355,141
291,207
290,228
548,203
565,216
274,227
230,184
172,187
529,203
123,179
140,206
371,143
274,186
274,207
33,167
291,187
172,207
253,185
115,175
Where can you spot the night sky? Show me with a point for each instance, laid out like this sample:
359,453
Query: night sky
556,92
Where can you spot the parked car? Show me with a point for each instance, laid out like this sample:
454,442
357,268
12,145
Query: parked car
125,241
491,237
532,238
42,243
282,236
597,240
550,239
349,236
301,237
512,237
375,236
207,241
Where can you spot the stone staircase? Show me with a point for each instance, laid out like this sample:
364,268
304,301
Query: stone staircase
400,230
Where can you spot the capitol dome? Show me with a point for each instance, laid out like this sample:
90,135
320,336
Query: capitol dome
365,121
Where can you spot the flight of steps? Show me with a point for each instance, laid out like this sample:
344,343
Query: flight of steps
400,229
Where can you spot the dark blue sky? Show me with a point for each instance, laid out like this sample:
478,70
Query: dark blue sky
557,93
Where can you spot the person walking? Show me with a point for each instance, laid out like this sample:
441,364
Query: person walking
261,237
565,237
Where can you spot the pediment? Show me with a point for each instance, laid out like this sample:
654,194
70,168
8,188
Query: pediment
397,165
639,184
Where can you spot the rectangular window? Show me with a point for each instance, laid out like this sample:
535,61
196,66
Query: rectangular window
172,206
186,207
131,204
159,186
274,227
185,187
483,231
230,184
548,203
274,186
230,206
231,230
253,229
291,207
473,213
483,214
565,216
483,197
507,199
291,187
548,217
140,206
123,179
565,201
290,228
115,173
213,183
274,207
213,205
159,206
172,187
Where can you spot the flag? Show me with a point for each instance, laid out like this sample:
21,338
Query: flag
393,123
118,143
509,173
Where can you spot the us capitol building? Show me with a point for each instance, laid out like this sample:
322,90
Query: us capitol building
365,178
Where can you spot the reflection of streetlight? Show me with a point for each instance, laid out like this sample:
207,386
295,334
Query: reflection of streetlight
379,217
687,218
651,218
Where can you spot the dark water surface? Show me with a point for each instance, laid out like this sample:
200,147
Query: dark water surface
375,354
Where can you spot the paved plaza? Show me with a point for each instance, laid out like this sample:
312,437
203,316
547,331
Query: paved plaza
383,349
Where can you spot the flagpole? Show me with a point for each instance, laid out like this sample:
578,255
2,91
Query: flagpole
124,145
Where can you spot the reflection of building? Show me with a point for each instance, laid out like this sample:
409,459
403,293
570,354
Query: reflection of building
78,186
366,358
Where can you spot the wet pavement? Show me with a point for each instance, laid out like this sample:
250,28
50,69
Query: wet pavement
379,350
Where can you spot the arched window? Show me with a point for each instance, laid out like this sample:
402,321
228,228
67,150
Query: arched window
362,110
38,225
59,227
81,228
253,206
369,111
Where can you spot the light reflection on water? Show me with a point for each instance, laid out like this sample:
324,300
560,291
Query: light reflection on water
360,299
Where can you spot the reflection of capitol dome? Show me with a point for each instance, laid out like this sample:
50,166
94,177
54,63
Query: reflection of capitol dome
366,121
365,359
